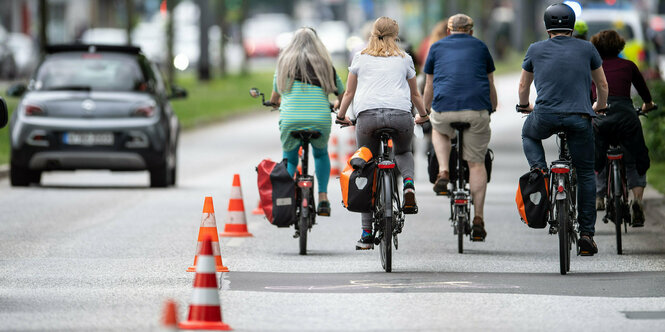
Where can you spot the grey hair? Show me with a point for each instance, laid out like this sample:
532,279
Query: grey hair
305,47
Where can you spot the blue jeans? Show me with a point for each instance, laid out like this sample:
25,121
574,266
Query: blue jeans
580,135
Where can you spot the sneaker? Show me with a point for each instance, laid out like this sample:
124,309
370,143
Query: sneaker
410,206
441,183
587,246
366,241
323,209
478,232
600,203
638,213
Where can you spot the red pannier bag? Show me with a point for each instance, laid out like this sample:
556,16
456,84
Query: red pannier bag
277,192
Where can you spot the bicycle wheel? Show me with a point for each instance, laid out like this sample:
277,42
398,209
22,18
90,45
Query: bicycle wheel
461,228
616,203
618,212
303,226
387,229
562,218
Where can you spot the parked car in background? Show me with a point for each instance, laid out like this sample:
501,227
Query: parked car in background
3,113
25,51
94,107
104,36
265,34
334,34
629,24
7,63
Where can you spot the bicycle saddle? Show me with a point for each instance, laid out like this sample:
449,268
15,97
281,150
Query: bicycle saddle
390,131
460,125
305,134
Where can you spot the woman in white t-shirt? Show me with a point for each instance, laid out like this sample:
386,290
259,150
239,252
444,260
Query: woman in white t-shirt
382,86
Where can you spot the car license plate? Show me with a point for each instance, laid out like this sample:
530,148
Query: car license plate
88,139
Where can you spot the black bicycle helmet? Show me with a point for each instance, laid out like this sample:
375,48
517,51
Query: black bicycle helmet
559,17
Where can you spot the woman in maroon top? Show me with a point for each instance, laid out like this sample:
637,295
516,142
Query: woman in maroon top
621,125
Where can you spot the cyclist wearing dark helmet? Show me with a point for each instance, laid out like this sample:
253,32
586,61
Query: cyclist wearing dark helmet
562,69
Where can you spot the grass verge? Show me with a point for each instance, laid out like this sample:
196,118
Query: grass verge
655,176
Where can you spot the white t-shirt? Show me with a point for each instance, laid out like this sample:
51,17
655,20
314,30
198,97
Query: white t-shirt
382,82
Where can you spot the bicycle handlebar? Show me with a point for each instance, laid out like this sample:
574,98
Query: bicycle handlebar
644,112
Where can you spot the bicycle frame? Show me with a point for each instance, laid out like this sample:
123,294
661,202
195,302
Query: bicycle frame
460,198
563,199
387,215
617,192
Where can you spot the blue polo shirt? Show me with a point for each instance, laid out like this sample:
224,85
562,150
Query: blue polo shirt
460,64
561,68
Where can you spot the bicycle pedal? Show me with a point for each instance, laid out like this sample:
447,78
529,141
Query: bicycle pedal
477,239
442,193
369,248
585,253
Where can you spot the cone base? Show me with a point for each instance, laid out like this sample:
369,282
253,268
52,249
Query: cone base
203,325
219,269
235,234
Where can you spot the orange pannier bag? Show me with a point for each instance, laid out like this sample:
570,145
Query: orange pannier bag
358,181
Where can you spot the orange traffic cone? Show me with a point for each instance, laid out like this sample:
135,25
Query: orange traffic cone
334,157
259,209
205,311
170,318
209,228
236,224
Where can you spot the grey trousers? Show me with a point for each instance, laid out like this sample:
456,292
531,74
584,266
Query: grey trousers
370,120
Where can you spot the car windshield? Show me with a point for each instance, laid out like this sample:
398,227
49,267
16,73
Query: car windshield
623,29
90,71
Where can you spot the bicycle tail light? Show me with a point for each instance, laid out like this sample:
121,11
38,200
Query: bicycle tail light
386,165
390,143
560,168
305,183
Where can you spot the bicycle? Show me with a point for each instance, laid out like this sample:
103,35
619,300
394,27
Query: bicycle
563,201
618,210
387,214
458,191
305,203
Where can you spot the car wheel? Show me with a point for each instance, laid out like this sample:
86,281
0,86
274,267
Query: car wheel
23,177
160,177
173,173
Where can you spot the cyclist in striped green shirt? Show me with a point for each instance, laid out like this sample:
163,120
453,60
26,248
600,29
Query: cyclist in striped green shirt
303,80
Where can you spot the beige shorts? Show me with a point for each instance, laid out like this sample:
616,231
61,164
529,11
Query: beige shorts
476,138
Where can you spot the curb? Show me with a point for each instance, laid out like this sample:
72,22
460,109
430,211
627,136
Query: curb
4,171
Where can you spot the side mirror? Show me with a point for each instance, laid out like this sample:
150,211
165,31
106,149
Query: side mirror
254,92
3,113
17,90
177,92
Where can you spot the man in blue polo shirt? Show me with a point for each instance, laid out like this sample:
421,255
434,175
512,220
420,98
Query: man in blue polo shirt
459,87
562,69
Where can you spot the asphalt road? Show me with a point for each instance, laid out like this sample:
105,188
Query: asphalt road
102,251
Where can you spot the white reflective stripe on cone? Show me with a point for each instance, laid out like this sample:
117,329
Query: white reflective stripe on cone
215,248
205,296
236,193
206,264
208,220
235,217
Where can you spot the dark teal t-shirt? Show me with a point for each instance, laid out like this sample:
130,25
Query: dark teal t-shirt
561,68
460,64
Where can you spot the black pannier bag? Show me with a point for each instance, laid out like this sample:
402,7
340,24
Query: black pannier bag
277,192
532,198
433,164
